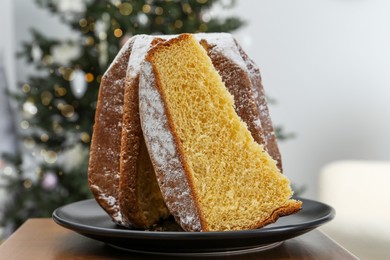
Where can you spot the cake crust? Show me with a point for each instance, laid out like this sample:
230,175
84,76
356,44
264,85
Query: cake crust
243,80
134,161
103,168
269,136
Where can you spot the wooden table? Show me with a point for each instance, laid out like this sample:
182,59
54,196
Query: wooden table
44,239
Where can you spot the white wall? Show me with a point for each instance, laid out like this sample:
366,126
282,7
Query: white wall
7,80
7,41
27,16
326,63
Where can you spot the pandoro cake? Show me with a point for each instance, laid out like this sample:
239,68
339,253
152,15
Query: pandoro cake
121,175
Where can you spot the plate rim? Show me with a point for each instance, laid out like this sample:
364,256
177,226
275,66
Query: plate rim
254,249
147,234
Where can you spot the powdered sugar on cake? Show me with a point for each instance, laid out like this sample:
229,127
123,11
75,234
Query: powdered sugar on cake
161,144
224,44
141,46
121,53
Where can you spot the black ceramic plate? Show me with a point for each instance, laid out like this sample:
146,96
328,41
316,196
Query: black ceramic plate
87,218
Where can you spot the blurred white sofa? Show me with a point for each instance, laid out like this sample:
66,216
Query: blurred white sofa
360,193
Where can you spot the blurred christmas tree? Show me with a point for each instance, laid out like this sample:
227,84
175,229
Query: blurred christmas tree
58,103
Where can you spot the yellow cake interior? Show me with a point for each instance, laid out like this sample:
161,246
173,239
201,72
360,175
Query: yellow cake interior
235,181
148,192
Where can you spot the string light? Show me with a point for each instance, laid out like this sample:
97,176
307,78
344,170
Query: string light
68,74
116,2
27,184
83,22
78,85
47,60
29,142
118,33
46,97
142,18
89,77
59,91
26,88
178,24
89,41
125,8
67,110
44,138
29,108
60,105
206,17
187,8
57,128
24,124
159,10
85,137
102,36
49,156
146,8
